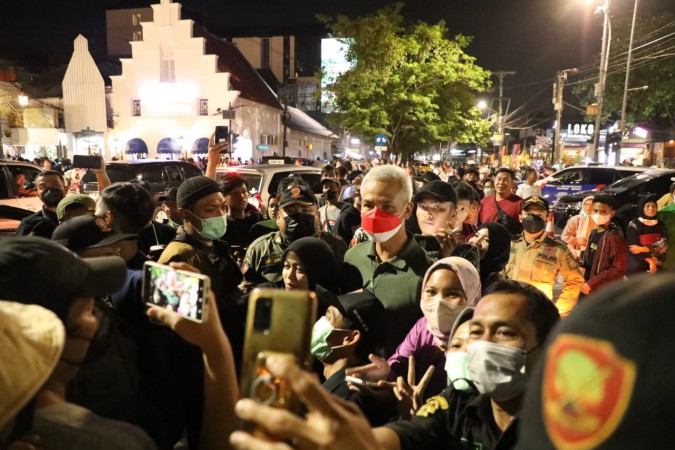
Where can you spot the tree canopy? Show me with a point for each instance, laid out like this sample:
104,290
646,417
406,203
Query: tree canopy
653,65
410,82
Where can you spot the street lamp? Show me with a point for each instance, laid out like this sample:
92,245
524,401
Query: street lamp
558,107
600,86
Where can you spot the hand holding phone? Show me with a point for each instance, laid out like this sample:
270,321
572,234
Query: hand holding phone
180,291
87,161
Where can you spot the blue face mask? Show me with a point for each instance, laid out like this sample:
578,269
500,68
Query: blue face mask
212,228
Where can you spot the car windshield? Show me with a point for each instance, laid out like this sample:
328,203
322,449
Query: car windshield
629,182
253,181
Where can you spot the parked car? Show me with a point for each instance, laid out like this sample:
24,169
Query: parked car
14,206
263,180
160,174
626,191
583,178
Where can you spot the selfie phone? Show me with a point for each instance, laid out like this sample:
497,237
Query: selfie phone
87,161
428,243
361,382
222,134
176,290
279,323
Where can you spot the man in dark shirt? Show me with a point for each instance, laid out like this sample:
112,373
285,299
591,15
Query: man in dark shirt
240,219
509,326
51,188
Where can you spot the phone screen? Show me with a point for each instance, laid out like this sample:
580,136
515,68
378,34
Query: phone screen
222,133
174,290
87,161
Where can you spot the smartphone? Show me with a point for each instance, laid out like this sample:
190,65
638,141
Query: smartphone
279,322
360,382
428,243
87,161
222,134
175,290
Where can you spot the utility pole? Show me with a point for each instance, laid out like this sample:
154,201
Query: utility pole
622,122
285,119
558,105
500,122
600,86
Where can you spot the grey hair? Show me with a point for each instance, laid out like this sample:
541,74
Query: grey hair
387,173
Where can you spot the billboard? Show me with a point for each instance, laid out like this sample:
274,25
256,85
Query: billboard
333,63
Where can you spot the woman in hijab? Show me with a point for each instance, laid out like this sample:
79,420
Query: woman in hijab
579,227
494,243
307,262
450,285
647,238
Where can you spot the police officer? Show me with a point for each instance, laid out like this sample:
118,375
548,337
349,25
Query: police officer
298,218
537,259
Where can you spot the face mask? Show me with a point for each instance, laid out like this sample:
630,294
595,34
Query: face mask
489,191
600,219
533,224
457,368
380,225
300,225
497,370
213,228
440,315
330,194
320,332
51,197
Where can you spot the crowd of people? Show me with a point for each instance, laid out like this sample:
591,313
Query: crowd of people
440,295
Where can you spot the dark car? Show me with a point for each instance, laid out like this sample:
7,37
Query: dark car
626,191
583,178
160,174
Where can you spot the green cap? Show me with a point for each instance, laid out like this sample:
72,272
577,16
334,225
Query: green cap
72,202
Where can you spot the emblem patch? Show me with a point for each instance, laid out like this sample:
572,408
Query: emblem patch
432,405
295,192
586,391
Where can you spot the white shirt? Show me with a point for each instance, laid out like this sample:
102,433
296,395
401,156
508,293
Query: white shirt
525,190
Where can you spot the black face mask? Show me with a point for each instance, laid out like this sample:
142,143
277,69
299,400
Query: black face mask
533,224
330,194
300,225
51,197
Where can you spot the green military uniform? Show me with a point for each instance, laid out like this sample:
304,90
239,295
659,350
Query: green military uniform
667,216
397,283
539,262
262,262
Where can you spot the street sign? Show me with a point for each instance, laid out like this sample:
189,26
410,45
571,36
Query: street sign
263,148
381,141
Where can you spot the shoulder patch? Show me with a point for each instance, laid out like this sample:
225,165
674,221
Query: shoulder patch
586,391
432,405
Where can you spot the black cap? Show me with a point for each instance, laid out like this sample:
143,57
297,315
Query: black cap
170,194
329,180
38,271
606,381
84,232
194,189
354,174
427,177
442,191
298,194
361,310
535,200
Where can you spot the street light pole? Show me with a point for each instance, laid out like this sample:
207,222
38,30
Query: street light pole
500,120
622,122
600,86
558,105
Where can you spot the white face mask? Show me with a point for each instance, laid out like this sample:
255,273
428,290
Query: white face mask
457,368
601,219
440,315
489,191
497,370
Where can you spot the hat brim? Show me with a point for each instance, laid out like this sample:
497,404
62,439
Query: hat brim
296,202
327,298
106,275
113,239
438,197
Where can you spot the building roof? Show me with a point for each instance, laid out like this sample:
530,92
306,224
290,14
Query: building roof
300,121
243,77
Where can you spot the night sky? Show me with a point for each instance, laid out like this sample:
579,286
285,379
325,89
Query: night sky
536,38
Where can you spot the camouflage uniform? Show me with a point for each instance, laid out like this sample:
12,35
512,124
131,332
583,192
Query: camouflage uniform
539,262
262,262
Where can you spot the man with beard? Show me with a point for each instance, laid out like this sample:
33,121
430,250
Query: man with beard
298,218
51,188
